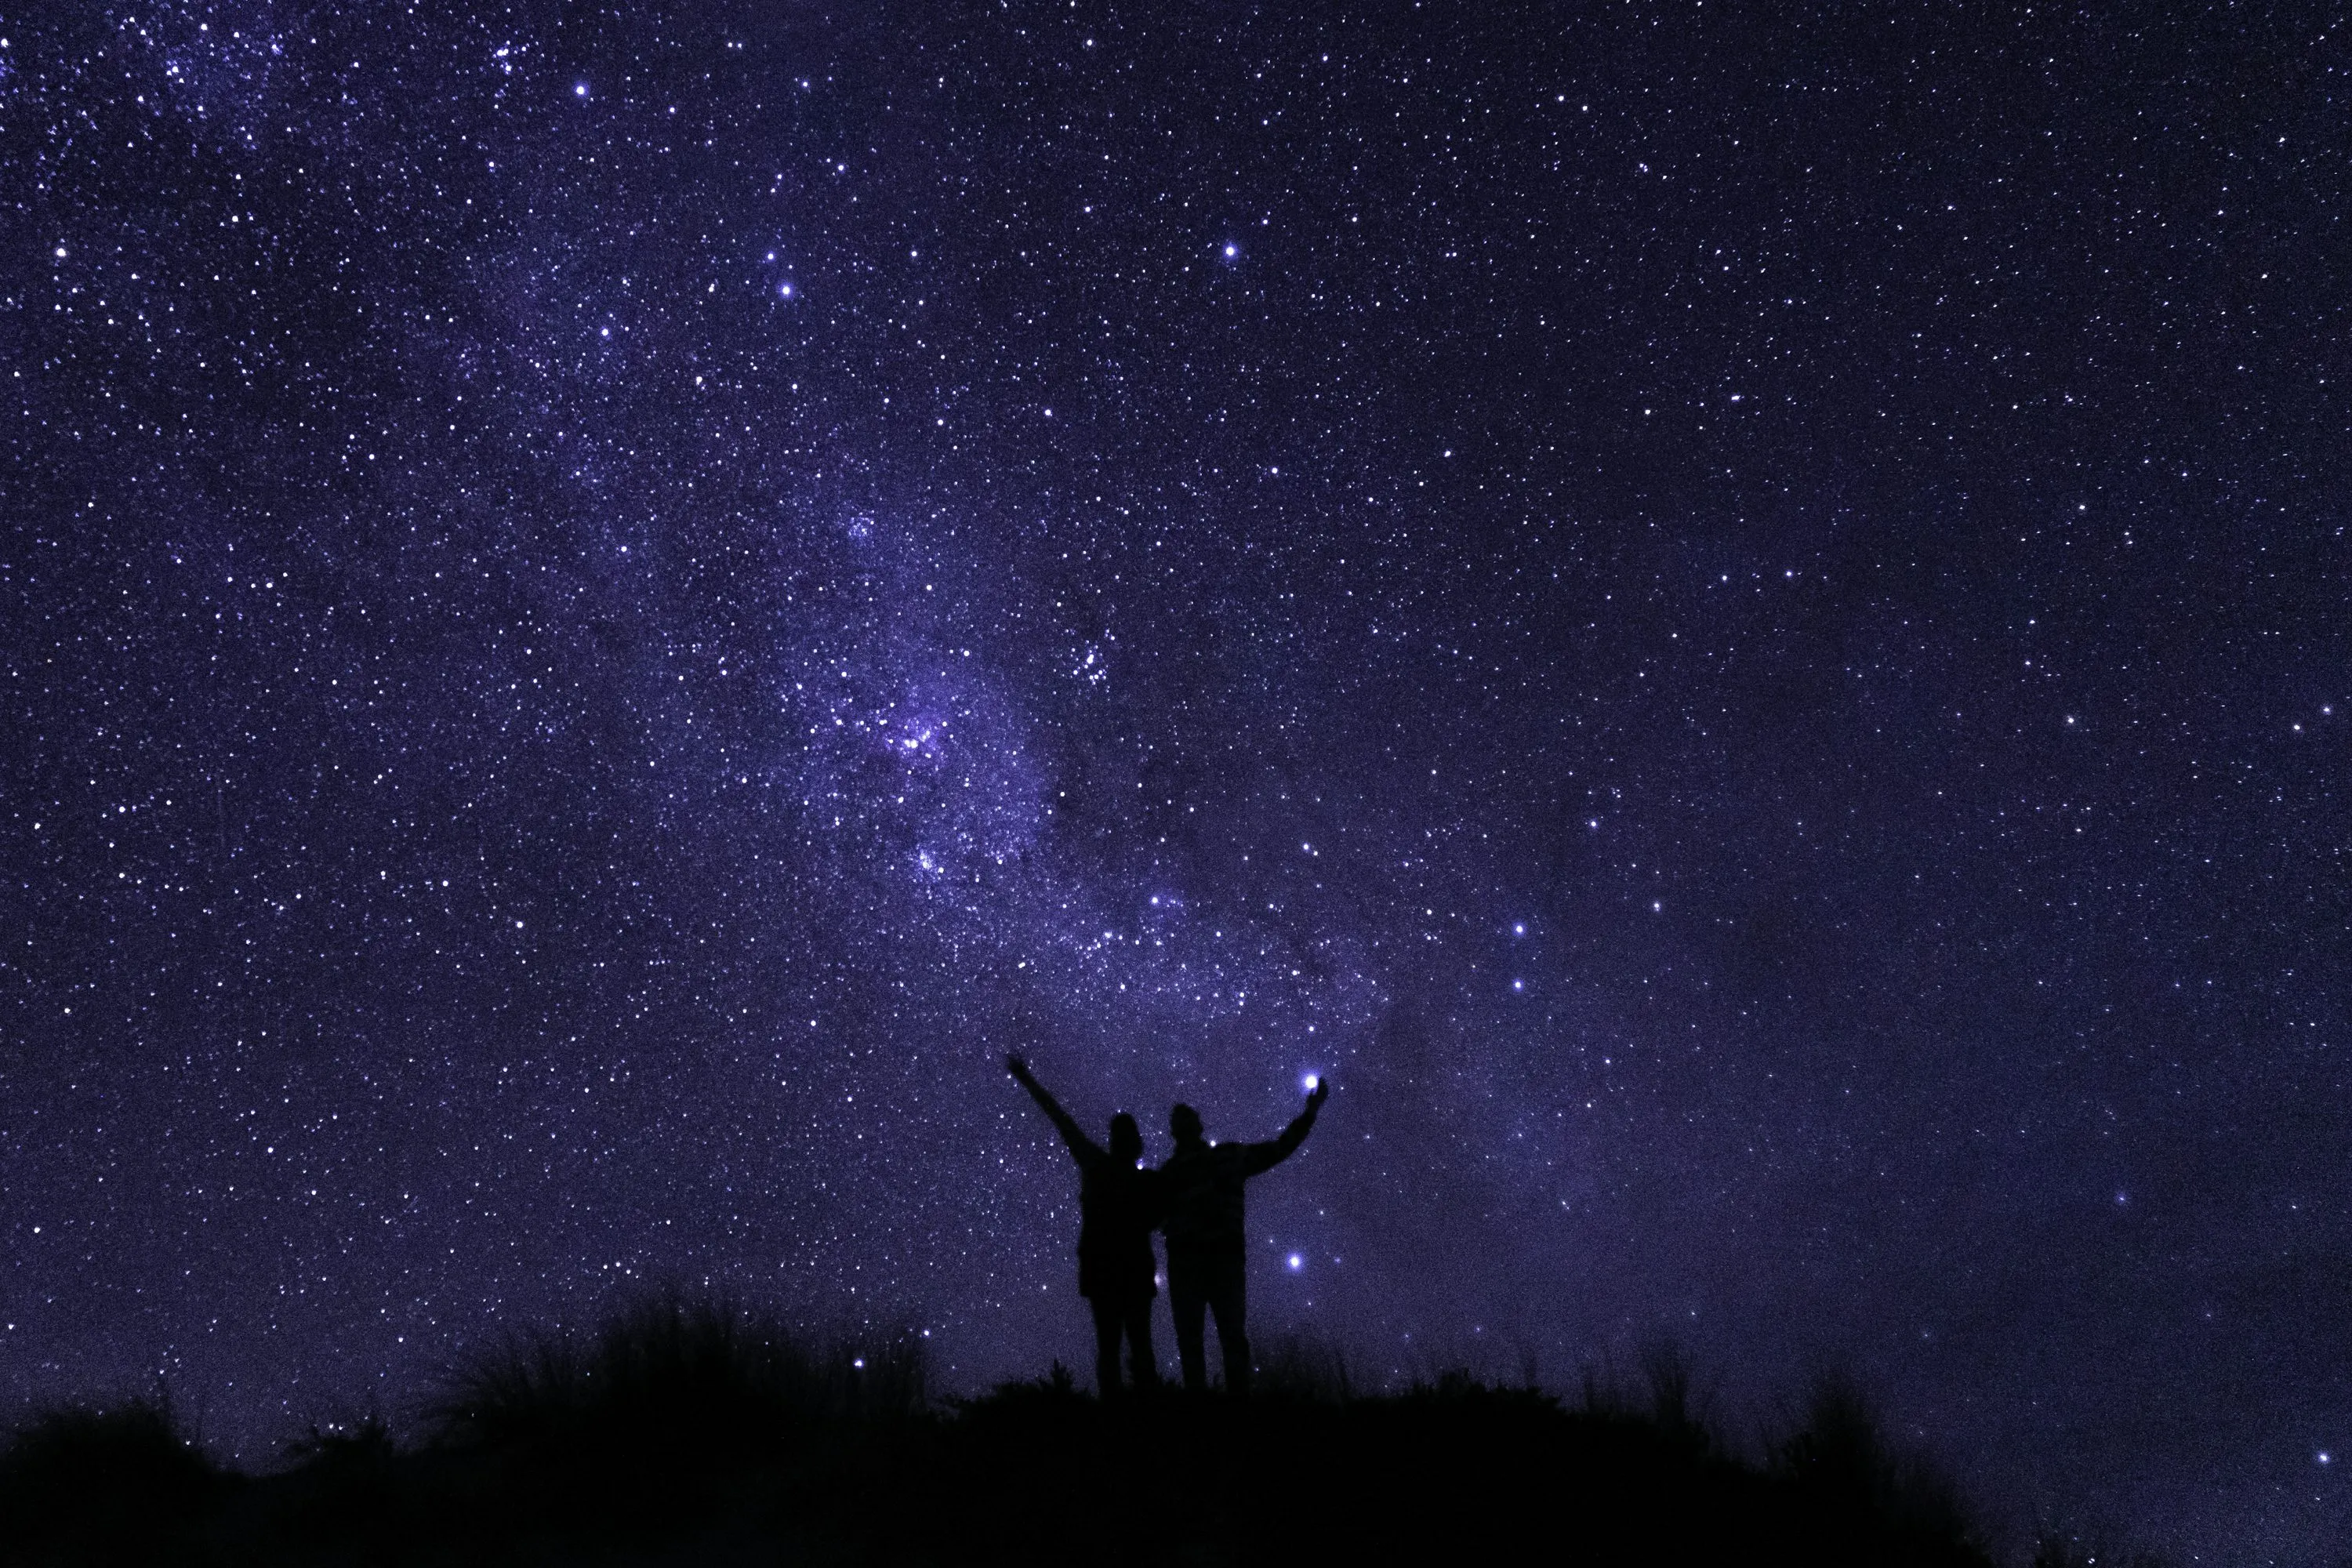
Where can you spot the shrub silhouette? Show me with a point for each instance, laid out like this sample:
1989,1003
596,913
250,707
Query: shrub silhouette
99,1476
345,1484
1839,1451
1302,1366
362,1442
691,1430
672,1371
1678,1417
1839,1459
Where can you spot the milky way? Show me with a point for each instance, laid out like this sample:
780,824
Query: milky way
1736,623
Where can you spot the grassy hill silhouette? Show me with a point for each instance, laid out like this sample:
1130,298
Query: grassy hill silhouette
686,1431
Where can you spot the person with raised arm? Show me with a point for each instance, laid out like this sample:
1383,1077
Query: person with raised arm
1118,1204
1207,1254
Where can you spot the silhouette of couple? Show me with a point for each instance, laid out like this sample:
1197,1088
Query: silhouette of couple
1196,1199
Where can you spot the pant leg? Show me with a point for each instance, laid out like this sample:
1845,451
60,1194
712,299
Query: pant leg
1187,1303
1107,1330
1229,1302
1143,1364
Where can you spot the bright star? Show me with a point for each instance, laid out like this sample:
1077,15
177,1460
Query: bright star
1232,251
578,89
1296,1263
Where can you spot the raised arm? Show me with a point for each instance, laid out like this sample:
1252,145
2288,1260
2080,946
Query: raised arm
1083,1149
1259,1157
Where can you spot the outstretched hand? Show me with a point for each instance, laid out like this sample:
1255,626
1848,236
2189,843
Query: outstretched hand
1017,1067
1318,1094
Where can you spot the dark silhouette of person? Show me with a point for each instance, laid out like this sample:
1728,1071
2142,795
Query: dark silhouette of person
1206,1249
1118,1204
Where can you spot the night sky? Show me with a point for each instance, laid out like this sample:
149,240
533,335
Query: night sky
1735,618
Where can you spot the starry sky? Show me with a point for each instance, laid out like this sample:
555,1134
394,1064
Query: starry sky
1735,618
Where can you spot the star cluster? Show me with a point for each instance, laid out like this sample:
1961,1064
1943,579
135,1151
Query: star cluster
1733,618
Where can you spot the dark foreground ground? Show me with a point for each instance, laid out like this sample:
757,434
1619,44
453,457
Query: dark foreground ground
693,1435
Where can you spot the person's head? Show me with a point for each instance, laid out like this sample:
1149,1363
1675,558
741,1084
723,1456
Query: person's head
1184,1124
1126,1139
